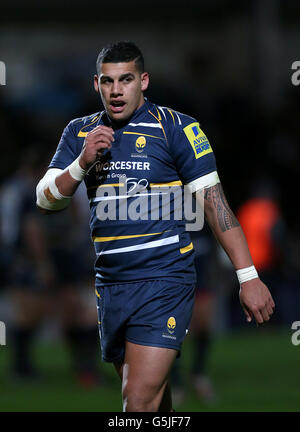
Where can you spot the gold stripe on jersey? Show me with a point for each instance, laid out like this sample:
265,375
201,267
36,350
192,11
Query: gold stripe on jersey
172,115
173,183
124,237
141,134
106,184
158,119
159,116
84,134
187,248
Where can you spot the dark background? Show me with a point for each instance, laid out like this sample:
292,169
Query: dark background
226,63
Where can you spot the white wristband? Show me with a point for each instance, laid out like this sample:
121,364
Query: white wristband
76,171
246,274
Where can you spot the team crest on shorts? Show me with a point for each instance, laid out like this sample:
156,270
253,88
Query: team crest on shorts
171,324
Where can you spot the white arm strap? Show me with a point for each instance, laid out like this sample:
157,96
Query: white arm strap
204,182
48,182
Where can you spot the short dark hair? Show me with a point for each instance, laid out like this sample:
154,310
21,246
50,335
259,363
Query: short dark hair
119,52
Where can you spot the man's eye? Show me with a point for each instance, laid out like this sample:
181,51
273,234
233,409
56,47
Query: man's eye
127,79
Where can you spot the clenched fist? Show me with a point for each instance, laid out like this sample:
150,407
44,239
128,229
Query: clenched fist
256,301
95,143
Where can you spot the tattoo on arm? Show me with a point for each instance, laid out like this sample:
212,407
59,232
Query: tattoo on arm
226,219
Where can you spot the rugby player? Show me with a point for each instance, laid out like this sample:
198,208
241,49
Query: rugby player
145,274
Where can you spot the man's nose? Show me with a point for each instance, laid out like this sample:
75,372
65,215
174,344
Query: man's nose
116,88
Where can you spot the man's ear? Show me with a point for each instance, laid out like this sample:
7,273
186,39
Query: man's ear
144,81
96,83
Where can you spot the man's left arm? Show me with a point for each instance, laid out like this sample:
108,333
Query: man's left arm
255,298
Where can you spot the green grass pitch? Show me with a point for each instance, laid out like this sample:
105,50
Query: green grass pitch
257,370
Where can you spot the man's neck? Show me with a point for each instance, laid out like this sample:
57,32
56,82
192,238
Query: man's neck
118,124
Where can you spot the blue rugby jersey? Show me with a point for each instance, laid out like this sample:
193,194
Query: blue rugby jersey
157,148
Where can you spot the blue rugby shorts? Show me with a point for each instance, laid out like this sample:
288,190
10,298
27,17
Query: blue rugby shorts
150,312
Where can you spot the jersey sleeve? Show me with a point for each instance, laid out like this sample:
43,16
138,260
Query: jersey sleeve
192,152
67,150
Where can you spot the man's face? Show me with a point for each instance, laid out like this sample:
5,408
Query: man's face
121,87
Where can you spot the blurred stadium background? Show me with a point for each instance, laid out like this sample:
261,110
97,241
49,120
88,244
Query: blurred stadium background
228,64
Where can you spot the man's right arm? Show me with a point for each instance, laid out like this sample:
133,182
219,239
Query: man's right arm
56,188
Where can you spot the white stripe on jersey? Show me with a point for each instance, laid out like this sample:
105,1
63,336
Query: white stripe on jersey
178,114
177,117
153,125
148,245
109,198
161,109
